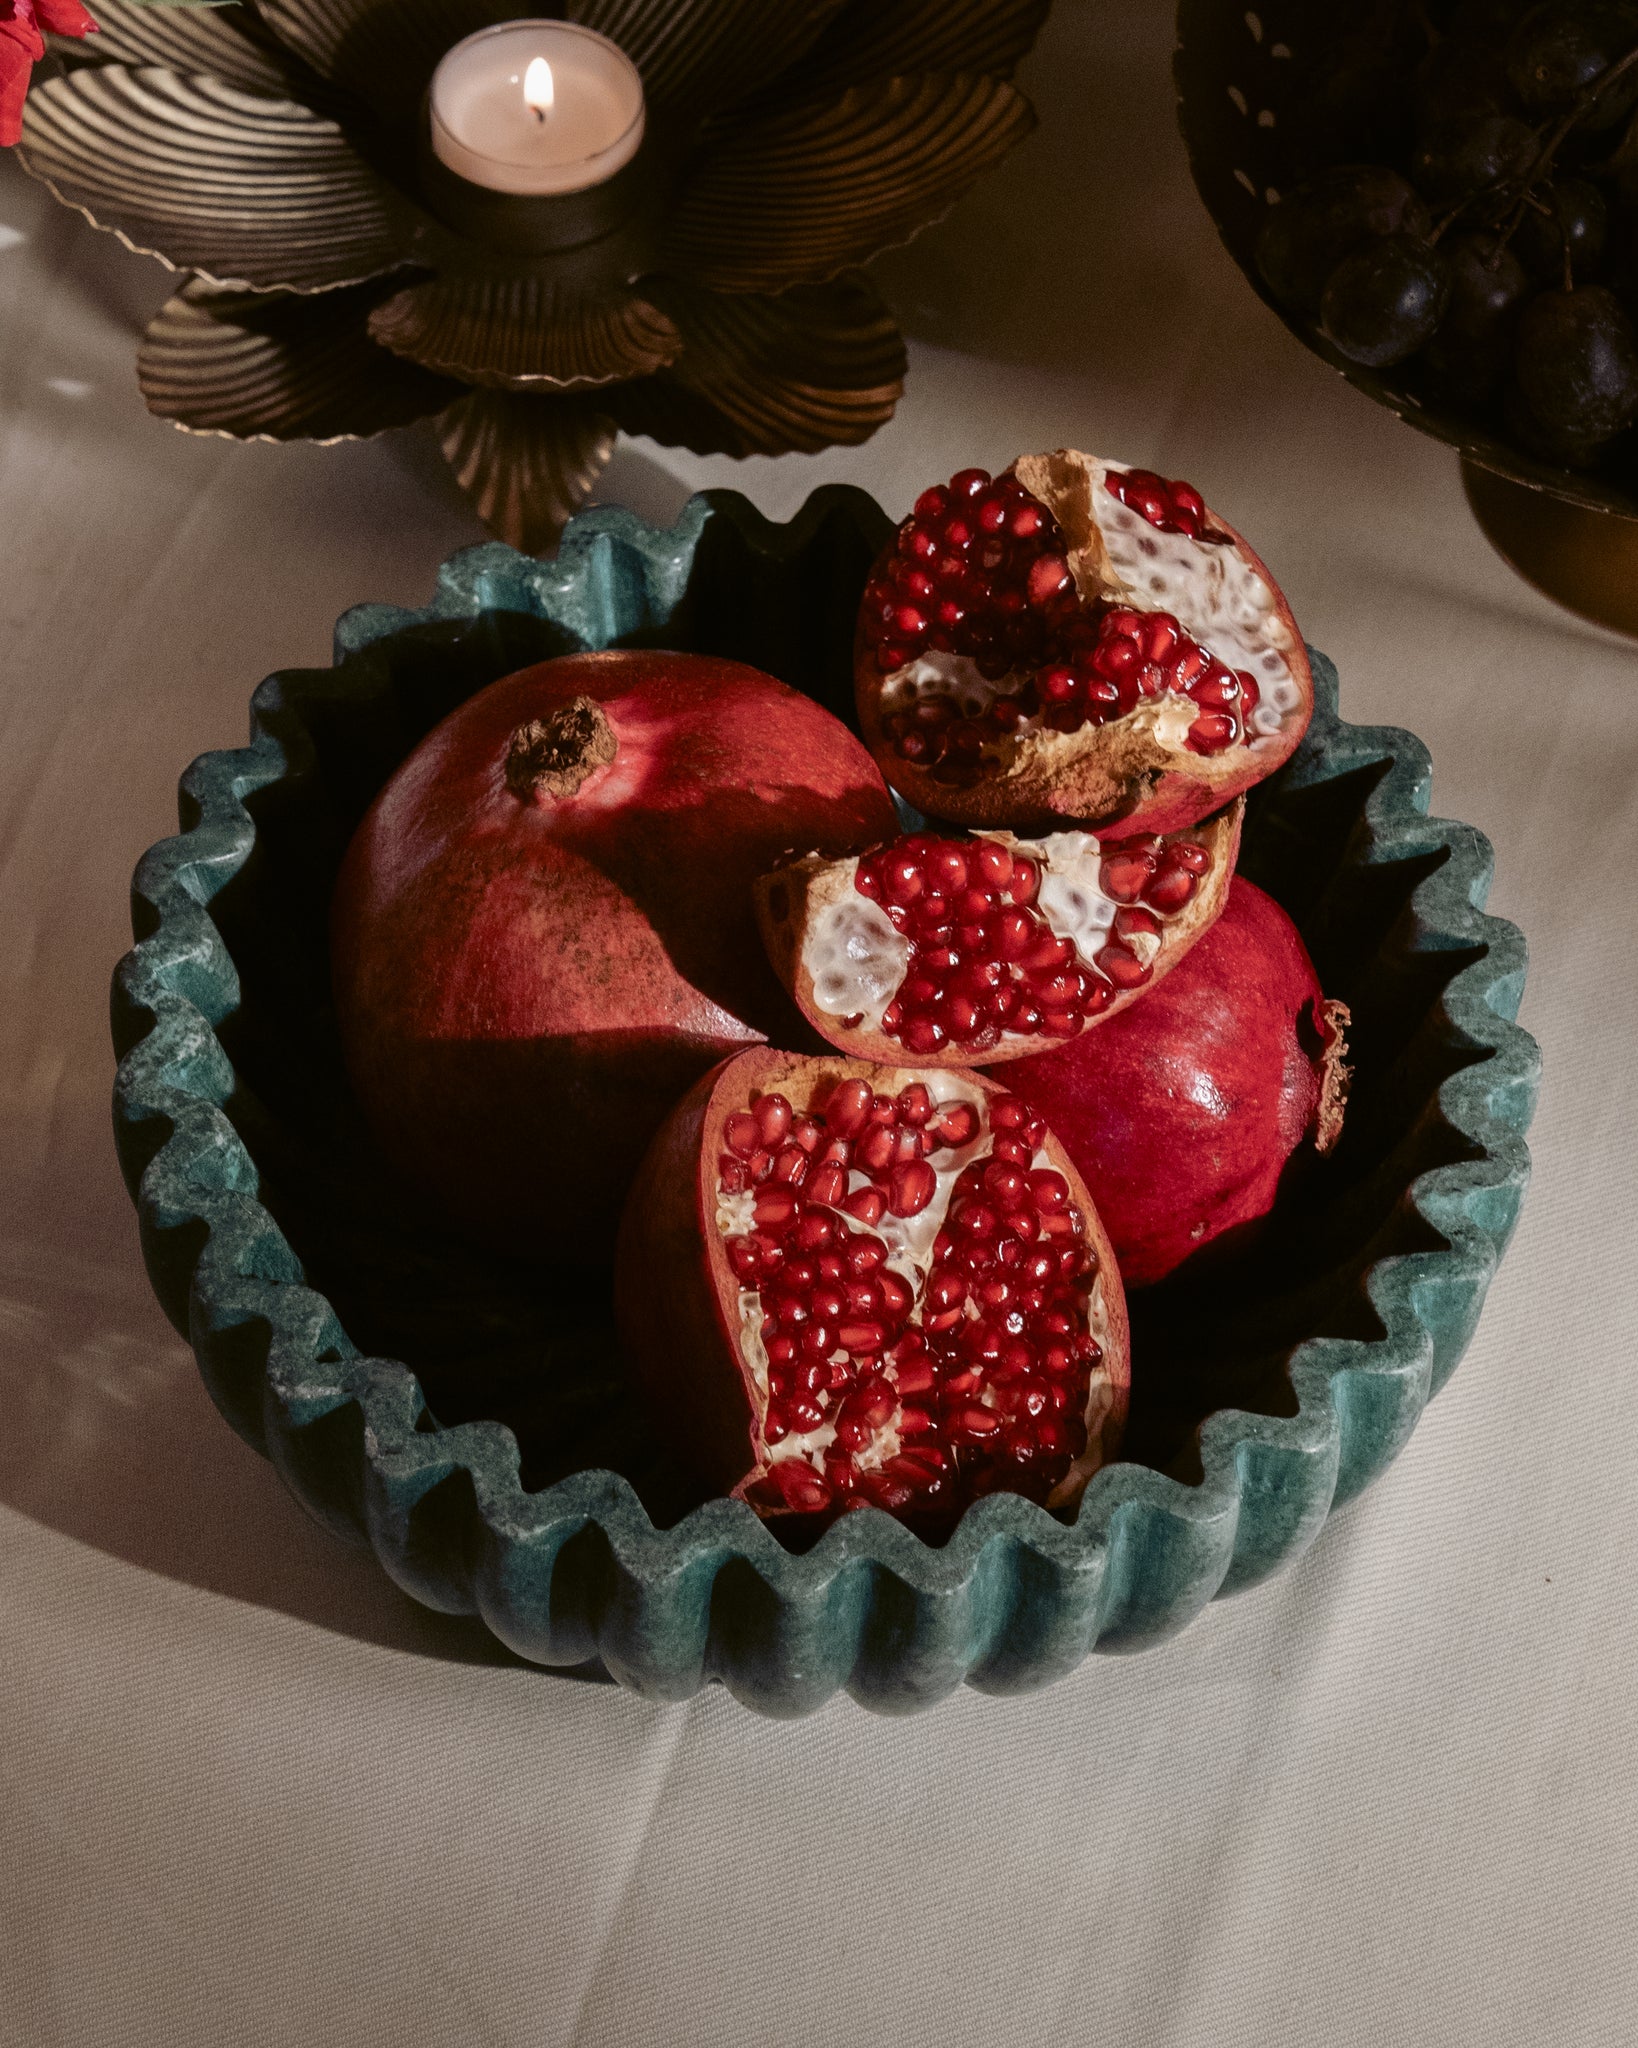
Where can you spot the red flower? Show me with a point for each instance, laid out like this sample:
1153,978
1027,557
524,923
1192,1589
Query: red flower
22,46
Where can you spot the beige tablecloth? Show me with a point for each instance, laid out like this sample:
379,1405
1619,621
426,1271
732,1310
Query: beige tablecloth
249,1794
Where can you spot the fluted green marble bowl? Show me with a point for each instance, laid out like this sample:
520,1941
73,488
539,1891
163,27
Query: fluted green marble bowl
470,1419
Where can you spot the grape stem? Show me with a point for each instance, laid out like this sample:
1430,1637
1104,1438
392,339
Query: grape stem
1550,140
1548,152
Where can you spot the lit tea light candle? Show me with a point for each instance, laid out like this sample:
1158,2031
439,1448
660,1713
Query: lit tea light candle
536,107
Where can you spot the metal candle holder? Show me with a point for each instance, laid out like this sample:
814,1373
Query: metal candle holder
338,286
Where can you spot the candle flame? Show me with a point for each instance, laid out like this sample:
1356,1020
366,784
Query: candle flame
538,92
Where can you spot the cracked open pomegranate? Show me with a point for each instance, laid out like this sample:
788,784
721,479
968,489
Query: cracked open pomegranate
849,1285
1075,640
961,952
1188,1112
543,930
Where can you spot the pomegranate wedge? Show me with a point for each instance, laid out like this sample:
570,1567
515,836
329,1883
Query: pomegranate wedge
848,1286
963,952
1074,640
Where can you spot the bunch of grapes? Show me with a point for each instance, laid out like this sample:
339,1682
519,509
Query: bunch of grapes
1469,201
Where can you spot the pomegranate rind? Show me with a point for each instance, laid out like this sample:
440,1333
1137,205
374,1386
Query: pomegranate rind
791,900
525,983
1134,774
677,1297
1198,1113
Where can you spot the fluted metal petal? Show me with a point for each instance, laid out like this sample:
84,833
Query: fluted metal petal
896,38
697,56
524,332
525,462
249,191
796,196
818,366
382,52
228,42
280,367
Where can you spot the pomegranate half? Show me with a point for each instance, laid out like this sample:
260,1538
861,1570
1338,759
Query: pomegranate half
969,951
1188,1112
848,1285
1075,640
543,932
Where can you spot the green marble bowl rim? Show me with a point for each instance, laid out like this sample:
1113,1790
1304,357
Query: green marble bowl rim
444,1508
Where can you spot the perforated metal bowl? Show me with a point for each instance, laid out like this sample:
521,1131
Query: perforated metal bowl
1237,75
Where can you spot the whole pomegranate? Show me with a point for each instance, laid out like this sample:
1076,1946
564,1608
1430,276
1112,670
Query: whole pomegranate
849,1286
1075,642
543,930
1185,1110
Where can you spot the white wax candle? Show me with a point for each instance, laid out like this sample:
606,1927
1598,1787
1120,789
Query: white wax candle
535,107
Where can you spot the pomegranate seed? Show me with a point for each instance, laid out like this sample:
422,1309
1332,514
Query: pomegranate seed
1125,876
1123,968
882,1490
775,1208
916,1376
848,1108
827,1185
796,1485
994,864
739,1134
773,1120
1170,889
915,1104
1212,731
867,1205
874,1151
911,1188
791,1166
895,1294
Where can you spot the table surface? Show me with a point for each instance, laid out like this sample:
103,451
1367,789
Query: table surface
250,1794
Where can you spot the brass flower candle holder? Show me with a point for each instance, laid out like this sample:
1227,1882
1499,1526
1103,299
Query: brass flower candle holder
355,266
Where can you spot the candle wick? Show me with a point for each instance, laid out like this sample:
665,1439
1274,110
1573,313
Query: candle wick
539,114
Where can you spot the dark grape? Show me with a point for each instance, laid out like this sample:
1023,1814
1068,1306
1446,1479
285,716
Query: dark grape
1567,451
1307,235
1459,82
1576,220
1575,365
1561,46
1472,353
1483,21
1353,98
1468,153
1385,301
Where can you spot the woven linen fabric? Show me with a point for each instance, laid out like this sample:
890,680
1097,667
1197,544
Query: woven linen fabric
250,1795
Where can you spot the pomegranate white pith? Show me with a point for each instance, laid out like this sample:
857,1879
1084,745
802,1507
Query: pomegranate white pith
909,1288
972,951
1075,640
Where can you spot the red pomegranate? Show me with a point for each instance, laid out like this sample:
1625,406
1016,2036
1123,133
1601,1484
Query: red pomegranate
1075,640
1185,1112
968,951
849,1285
543,930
